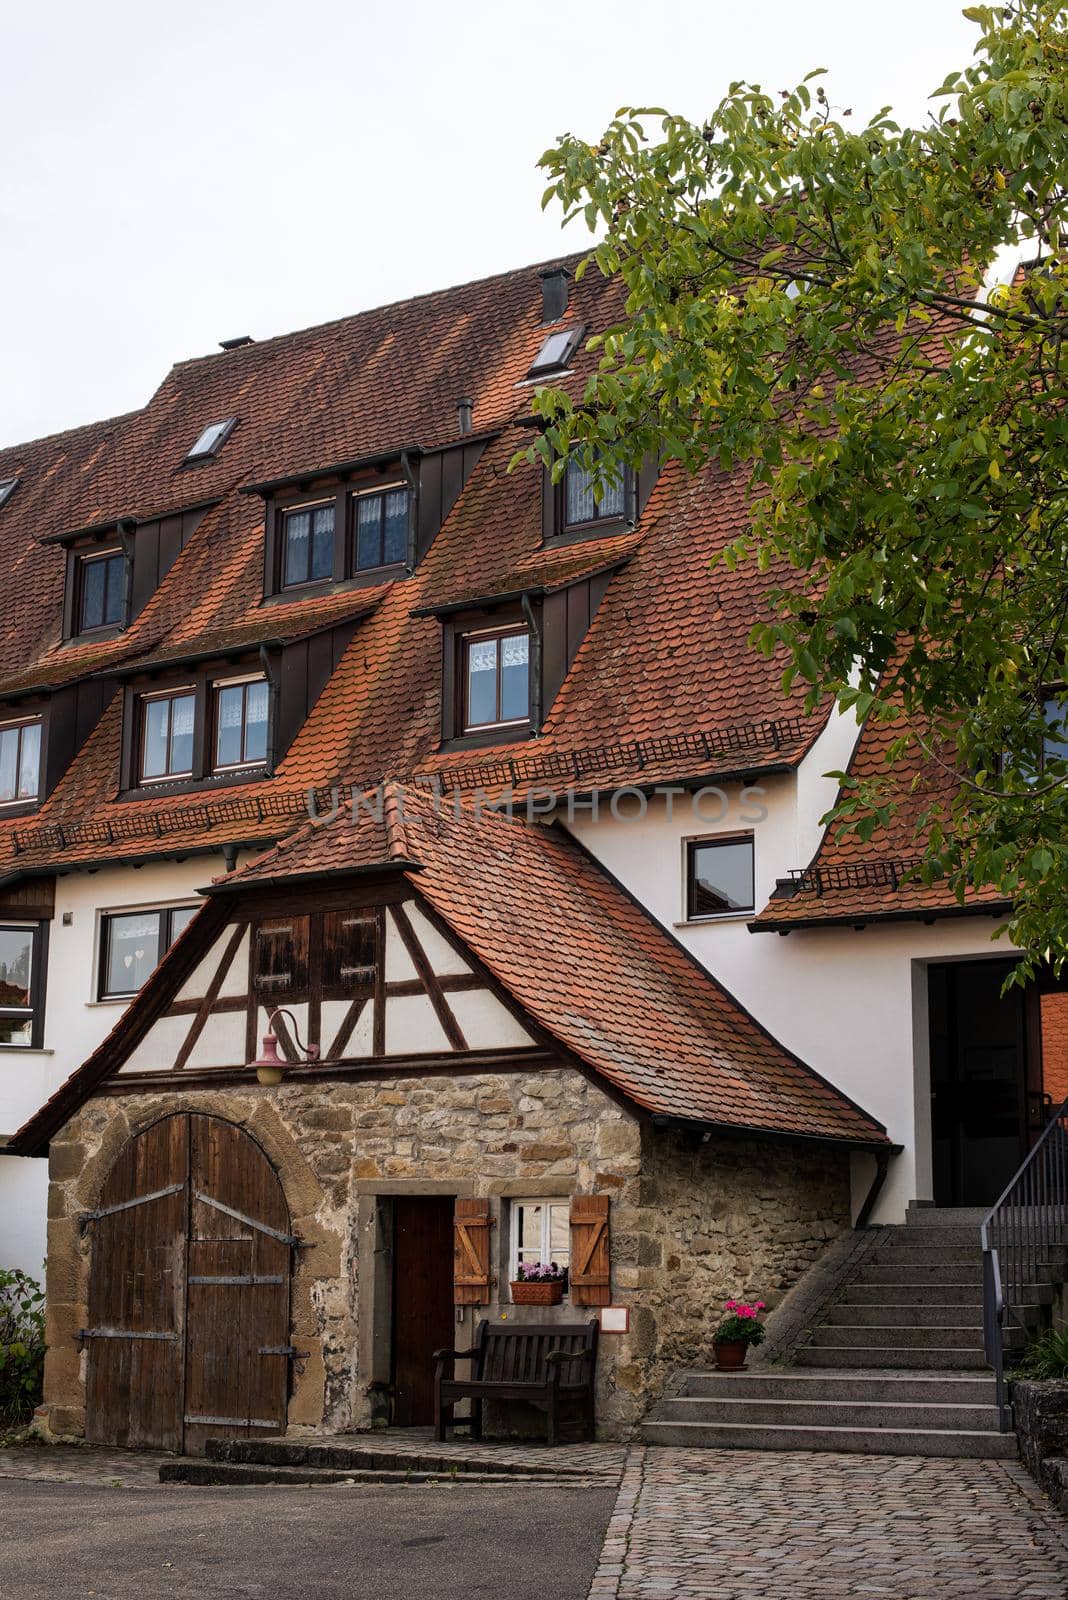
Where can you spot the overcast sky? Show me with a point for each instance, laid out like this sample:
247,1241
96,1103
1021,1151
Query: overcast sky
173,175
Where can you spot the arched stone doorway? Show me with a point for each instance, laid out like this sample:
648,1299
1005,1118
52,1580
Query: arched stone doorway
188,1328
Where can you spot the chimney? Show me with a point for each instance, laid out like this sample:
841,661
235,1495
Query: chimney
465,414
553,293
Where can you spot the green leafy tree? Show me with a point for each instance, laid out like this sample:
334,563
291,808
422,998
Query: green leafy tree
817,302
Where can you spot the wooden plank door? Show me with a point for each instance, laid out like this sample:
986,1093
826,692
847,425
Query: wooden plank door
422,1301
136,1329
188,1331
237,1318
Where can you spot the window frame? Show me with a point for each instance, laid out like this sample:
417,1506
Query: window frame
194,457
375,492
165,939
498,634
602,517
716,841
545,1248
82,560
243,681
281,539
35,720
35,1011
143,780
344,497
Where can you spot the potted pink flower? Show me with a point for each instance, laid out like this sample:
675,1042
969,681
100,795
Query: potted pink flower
538,1283
738,1328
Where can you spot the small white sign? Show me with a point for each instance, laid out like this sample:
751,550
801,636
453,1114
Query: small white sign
615,1319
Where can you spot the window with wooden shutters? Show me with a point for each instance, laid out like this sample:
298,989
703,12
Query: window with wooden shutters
590,1277
280,958
471,1253
350,952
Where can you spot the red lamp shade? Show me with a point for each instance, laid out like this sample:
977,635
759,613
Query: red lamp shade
269,1065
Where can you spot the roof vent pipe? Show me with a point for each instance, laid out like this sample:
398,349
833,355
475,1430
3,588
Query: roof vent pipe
465,412
553,293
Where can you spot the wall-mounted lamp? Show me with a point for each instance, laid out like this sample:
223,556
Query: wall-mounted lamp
270,1067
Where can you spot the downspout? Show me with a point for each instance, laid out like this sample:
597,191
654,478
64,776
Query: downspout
126,528
535,662
882,1165
412,480
272,707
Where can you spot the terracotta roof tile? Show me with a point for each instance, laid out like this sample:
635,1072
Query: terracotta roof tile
586,961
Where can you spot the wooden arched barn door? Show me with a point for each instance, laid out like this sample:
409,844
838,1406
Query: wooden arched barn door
189,1291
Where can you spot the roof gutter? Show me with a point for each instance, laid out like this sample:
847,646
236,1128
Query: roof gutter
743,1130
96,530
340,469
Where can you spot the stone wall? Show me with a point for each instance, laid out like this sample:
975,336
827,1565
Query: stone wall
1040,1412
689,1224
726,1218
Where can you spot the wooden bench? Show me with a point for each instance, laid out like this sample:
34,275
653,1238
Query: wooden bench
551,1364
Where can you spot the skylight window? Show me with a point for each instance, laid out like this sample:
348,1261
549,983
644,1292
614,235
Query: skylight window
7,489
212,440
555,353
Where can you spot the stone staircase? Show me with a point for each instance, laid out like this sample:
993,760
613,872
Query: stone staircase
892,1365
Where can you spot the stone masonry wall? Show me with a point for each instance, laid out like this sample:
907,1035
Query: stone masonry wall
688,1226
728,1218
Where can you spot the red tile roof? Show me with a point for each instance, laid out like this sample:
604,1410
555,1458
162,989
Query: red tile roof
851,880
663,689
589,964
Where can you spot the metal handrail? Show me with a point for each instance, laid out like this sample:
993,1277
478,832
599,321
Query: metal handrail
1021,1235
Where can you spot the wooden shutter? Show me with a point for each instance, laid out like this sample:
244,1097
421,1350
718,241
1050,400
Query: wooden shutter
471,1253
589,1280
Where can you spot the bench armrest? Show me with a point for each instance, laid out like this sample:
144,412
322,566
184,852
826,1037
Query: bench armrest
454,1355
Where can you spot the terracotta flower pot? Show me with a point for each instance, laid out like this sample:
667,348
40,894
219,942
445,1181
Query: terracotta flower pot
730,1354
532,1292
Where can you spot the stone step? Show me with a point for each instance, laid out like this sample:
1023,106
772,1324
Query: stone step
919,1272
913,1294
868,1441
341,1456
917,1314
872,1333
948,1388
827,1413
928,1255
945,1216
198,1470
930,1359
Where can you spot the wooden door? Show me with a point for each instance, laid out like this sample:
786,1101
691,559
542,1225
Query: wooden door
189,1291
422,1302
237,1308
136,1334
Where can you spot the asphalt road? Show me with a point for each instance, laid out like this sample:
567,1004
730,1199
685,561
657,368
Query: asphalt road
435,1542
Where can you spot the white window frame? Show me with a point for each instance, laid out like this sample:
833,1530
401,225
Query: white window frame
513,1234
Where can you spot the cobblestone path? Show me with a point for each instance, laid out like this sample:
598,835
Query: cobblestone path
716,1524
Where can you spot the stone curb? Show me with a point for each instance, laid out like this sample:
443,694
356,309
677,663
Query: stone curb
613,1559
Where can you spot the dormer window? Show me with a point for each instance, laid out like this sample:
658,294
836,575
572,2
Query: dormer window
7,489
1055,743
556,353
167,722
380,532
211,441
581,504
495,679
307,544
20,761
100,581
241,708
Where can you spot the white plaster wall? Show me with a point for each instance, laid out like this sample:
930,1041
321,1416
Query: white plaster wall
851,1004
75,1023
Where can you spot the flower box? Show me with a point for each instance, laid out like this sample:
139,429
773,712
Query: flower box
537,1292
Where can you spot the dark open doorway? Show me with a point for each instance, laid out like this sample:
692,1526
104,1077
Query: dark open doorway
986,1078
422,1301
